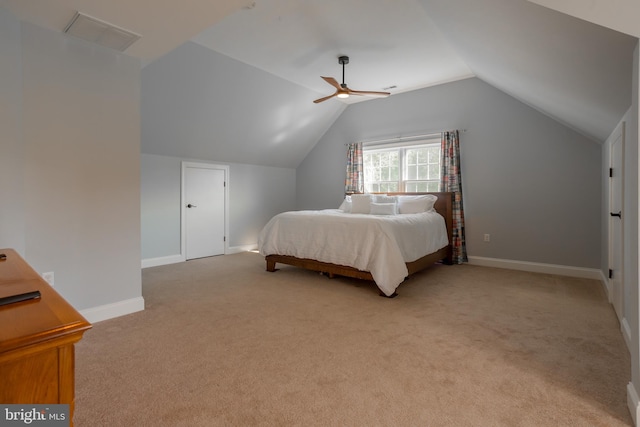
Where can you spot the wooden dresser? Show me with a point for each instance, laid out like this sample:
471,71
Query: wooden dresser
37,339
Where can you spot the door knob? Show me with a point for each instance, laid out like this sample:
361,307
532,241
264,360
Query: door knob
618,214
191,206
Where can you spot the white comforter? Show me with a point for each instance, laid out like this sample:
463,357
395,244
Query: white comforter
380,244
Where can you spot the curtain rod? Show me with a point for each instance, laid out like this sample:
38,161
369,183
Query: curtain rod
404,138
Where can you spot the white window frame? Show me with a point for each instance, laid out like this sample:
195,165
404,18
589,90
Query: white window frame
401,147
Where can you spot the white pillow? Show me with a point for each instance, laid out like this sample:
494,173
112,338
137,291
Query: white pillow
383,198
360,203
416,204
346,204
383,208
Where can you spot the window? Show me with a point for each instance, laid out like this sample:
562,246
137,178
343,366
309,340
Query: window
402,167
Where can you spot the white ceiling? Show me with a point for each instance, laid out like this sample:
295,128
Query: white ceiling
164,25
575,71
570,69
388,43
620,15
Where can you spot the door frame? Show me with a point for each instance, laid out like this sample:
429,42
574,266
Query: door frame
618,133
183,216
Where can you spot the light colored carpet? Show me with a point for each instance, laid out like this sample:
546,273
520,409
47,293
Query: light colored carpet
222,342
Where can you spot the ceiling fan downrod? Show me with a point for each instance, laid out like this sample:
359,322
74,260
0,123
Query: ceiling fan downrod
343,60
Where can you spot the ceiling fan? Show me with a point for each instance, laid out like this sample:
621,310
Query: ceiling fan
342,91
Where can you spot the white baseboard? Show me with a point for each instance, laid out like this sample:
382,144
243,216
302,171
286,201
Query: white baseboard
606,284
633,403
242,248
626,332
154,262
173,259
535,267
116,309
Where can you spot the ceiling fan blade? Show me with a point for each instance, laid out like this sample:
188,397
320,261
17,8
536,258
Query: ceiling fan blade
333,82
368,93
325,98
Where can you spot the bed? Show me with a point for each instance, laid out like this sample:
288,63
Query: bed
378,246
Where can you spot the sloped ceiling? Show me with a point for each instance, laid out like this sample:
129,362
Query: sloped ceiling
572,70
577,72
620,15
164,25
241,115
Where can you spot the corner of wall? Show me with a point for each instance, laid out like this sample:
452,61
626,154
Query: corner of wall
110,311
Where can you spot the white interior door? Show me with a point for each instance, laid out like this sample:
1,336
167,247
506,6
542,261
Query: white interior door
203,210
616,243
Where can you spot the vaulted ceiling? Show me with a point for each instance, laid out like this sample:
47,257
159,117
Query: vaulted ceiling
573,70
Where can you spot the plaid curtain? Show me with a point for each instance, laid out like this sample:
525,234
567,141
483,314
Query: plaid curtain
451,181
354,183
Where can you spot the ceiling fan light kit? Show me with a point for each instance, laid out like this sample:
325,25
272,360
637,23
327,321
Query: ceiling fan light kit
342,91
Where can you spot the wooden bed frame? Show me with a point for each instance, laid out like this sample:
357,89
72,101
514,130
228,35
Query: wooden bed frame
442,206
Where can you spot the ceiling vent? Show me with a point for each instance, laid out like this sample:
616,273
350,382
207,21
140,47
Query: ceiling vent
100,32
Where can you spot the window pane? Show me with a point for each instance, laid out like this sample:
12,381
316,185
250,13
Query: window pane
422,186
385,169
412,172
434,172
434,154
422,156
395,173
411,157
423,172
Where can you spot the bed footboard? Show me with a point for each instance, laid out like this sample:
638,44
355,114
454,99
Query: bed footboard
322,267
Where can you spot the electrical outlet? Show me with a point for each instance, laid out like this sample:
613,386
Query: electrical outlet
48,277
487,237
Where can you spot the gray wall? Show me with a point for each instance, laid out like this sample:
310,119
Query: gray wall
256,193
11,148
529,181
198,105
159,205
74,161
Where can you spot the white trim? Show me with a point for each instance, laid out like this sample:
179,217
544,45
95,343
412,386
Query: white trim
370,146
242,248
116,309
174,259
618,303
633,403
606,283
164,260
626,332
183,226
401,139
535,267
